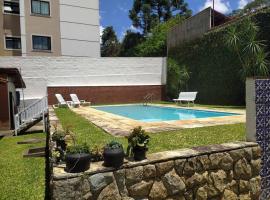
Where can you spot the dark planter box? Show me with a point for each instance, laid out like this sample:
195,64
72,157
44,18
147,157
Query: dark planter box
113,157
76,163
139,153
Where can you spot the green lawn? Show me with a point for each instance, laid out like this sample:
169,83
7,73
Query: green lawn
87,132
21,178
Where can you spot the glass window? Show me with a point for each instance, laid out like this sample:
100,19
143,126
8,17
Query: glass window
11,7
41,43
13,43
40,7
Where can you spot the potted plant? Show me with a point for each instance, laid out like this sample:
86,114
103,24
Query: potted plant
78,158
113,154
59,138
137,144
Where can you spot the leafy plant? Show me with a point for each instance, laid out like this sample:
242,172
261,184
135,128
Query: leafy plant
114,145
96,154
242,38
78,148
58,135
138,137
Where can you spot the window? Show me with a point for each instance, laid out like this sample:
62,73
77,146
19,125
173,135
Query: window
13,43
41,43
40,7
11,7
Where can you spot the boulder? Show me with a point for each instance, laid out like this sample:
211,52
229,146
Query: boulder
219,180
158,191
229,195
100,181
134,175
201,193
164,167
242,170
244,186
255,188
109,193
149,171
173,183
256,167
179,166
140,190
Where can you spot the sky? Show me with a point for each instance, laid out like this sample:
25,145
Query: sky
115,12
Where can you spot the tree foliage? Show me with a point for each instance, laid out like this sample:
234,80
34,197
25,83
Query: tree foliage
110,46
146,14
130,41
256,4
155,43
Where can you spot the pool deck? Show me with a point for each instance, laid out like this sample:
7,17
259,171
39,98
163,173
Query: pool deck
122,126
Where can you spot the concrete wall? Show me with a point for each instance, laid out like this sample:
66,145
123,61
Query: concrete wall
83,16
190,29
42,72
250,110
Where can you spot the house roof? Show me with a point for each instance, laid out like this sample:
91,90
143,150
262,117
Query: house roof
15,74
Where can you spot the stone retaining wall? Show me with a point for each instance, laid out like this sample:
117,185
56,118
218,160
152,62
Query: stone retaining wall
229,171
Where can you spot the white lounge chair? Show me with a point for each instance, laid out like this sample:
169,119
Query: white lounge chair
186,97
62,102
77,102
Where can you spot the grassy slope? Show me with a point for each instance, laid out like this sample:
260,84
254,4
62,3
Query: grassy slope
87,132
21,178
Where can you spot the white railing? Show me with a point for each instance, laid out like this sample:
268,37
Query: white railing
30,113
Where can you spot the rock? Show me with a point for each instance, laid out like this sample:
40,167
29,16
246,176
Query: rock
256,167
100,181
244,197
255,188
179,166
149,171
212,191
237,154
229,195
190,167
88,196
127,198
226,162
85,186
244,186
173,183
248,154
256,152
215,159
188,195
176,198
134,175
140,190
205,162
201,193
109,193
164,167
121,182
219,180
195,180
233,186
158,191
242,170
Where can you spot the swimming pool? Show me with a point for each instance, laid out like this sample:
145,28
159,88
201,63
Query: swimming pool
159,113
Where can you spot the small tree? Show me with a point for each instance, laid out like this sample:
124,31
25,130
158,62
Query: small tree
242,38
110,46
130,41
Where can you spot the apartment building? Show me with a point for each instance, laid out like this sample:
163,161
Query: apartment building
49,28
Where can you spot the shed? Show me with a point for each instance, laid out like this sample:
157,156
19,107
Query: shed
10,80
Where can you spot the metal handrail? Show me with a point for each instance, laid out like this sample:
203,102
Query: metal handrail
31,112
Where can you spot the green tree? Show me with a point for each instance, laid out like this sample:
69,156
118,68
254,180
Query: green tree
155,43
256,4
242,39
146,14
110,46
130,41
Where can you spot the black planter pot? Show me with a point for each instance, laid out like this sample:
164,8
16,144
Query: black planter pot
76,163
62,144
113,157
139,153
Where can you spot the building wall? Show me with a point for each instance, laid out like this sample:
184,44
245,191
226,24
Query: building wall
4,108
190,29
86,74
83,16
44,26
9,26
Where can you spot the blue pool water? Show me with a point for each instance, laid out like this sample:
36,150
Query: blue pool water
158,113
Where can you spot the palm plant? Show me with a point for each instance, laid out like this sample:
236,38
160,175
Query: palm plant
242,39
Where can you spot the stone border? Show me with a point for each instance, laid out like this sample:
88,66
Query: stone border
121,126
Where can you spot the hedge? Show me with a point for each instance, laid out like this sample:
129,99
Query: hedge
214,68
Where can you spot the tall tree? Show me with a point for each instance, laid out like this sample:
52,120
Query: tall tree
110,45
256,4
146,14
130,41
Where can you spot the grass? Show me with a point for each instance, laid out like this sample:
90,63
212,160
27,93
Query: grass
21,178
184,138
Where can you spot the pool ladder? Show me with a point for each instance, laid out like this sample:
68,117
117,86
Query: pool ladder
148,98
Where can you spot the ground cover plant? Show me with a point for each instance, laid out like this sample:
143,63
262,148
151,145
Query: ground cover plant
184,138
21,178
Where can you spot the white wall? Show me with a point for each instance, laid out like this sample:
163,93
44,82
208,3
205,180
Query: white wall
82,15
250,110
40,72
